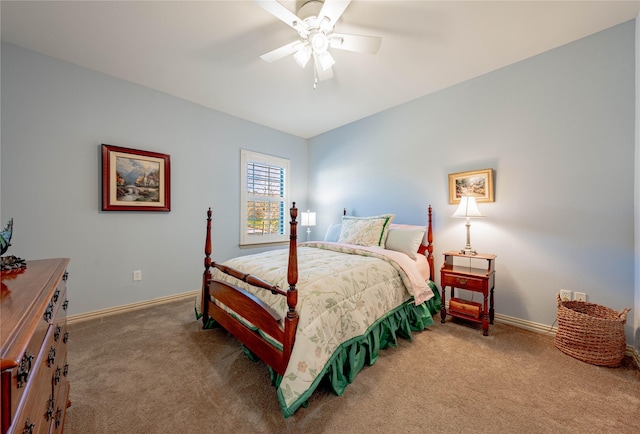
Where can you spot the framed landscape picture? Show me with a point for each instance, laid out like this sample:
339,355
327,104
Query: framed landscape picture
135,180
477,183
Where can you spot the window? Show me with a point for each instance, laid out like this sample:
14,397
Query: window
265,188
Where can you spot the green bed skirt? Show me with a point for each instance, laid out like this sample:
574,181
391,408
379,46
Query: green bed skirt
351,356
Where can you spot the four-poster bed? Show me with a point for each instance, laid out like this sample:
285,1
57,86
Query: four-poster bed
340,307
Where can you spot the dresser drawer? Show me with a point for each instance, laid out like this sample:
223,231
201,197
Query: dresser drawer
37,411
464,282
34,348
61,389
24,372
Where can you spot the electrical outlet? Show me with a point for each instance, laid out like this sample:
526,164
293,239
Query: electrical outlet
565,295
581,296
137,275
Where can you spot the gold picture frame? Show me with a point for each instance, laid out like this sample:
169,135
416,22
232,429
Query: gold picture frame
476,183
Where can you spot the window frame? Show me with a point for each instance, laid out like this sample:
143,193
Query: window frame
284,164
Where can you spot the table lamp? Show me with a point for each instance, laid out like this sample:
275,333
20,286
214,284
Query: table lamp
308,220
468,209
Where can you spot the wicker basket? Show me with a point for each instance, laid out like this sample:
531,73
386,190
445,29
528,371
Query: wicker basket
591,333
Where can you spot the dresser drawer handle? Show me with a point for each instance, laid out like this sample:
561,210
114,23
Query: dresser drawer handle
65,372
65,276
462,281
51,406
56,333
56,378
56,294
24,369
65,305
52,356
48,314
66,337
28,427
58,417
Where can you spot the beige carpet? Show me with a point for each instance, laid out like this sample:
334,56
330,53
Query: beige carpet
155,370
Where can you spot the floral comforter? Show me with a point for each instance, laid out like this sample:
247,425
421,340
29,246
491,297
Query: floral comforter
342,291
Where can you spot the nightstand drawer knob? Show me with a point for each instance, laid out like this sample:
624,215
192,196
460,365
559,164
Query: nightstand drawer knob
462,281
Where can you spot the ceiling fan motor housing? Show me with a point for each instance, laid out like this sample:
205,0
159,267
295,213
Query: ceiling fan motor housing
309,9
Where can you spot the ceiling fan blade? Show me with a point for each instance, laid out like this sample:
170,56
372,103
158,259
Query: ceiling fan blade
333,10
358,43
281,52
282,13
322,74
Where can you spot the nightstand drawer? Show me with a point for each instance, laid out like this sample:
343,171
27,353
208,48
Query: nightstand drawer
464,282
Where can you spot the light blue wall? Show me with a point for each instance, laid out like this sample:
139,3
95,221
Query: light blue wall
558,129
56,115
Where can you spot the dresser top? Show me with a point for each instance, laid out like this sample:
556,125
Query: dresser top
24,297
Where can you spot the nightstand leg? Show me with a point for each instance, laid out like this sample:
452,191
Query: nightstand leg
485,317
443,309
491,312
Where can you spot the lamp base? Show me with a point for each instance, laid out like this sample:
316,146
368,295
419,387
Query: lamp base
468,251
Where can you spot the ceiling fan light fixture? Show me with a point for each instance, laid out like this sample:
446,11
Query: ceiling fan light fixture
319,42
326,60
303,55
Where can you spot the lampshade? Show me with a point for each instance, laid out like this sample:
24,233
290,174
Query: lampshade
467,208
308,219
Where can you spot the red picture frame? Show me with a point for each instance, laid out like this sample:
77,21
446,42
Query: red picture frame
135,180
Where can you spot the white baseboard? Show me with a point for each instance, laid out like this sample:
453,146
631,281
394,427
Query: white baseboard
543,328
506,319
73,319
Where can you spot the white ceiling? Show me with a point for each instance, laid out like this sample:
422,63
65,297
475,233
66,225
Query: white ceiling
208,52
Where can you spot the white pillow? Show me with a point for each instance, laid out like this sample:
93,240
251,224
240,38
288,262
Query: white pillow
333,233
365,231
406,241
425,241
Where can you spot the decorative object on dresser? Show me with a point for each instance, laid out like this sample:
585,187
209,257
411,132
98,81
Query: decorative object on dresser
468,209
5,237
471,279
33,356
9,263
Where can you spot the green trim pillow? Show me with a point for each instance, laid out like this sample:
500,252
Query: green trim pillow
365,231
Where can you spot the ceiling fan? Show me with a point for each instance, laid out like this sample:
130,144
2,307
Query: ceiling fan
315,22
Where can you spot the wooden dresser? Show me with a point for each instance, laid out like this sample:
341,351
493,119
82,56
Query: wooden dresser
33,357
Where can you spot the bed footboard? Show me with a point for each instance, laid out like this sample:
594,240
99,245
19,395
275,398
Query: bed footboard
274,349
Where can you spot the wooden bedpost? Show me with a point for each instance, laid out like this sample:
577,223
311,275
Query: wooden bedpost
206,276
430,245
291,320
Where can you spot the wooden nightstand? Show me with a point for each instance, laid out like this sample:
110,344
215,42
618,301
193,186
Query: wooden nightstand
471,279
